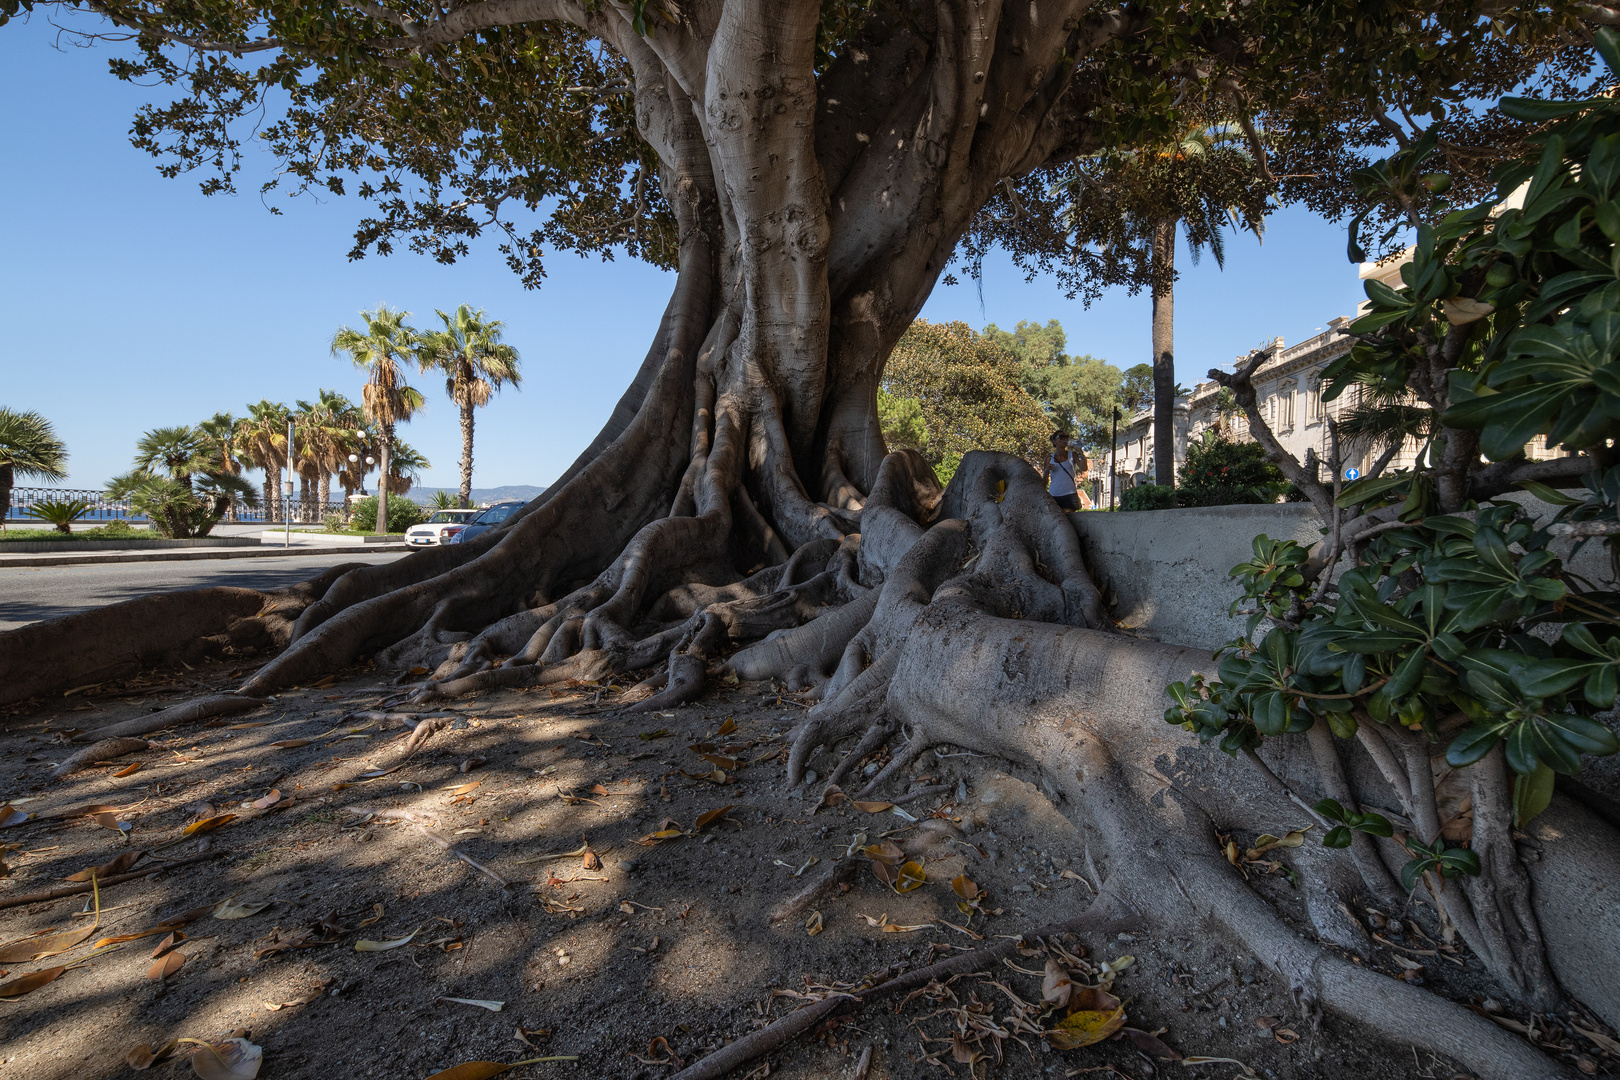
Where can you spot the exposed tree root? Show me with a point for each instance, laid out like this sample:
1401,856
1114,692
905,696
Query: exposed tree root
98,751
202,709
23,899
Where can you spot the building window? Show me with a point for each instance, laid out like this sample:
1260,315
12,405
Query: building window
1285,406
1314,403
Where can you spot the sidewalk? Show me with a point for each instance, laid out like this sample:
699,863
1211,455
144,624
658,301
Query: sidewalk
265,550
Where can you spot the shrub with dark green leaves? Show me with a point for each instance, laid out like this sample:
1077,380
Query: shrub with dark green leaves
1222,472
402,514
1148,497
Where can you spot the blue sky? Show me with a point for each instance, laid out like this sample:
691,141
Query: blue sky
132,302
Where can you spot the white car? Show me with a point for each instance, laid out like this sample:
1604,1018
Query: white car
439,528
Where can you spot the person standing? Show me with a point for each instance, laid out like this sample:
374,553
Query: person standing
1064,473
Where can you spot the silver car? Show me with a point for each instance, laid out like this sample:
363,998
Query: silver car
439,528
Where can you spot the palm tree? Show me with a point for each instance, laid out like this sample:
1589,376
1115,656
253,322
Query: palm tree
1200,180
219,438
330,438
405,467
261,440
29,448
175,452
475,363
386,399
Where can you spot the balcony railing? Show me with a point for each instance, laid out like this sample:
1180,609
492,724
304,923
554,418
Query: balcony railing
104,508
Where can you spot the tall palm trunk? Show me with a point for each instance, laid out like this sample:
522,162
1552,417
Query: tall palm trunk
8,480
382,479
269,497
303,496
466,452
1164,358
325,496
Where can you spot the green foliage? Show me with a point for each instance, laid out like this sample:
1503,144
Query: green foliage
402,514
443,500
61,513
1350,822
1079,393
112,530
183,481
1507,323
29,447
969,393
901,419
1148,497
1221,472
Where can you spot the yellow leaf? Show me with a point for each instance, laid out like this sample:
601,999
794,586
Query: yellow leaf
872,807
464,788
207,824
911,877
128,770
812,925
728,727
707,819
1266,842
1085,1027
383,946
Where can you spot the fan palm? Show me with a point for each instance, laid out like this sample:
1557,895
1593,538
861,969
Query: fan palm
175,452
386,399
261,439
476,363
405,467
29,448
1200,180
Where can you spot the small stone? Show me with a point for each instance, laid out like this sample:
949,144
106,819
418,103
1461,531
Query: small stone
629,866
870,770
810,776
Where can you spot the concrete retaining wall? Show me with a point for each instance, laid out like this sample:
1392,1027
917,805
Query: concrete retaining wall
1165,573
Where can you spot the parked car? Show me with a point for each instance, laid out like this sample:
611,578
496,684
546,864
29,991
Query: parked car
441,528
490,517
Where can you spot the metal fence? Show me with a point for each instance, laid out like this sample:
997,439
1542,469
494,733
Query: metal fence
105,508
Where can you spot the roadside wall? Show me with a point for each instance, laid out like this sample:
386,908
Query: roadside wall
1165,573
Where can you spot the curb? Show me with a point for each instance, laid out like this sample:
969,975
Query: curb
187,555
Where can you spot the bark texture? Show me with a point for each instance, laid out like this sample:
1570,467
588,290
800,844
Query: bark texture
739,507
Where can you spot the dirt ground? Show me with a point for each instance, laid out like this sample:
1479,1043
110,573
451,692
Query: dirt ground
624,963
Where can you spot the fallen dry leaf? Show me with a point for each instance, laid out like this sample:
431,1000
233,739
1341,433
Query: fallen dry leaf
207,824
648,736
591,861
1151,1045
227,910
492,1006
168,944
292,744
38,948
1094,1015
872,807
1266,842
710,817
110,821
144,1057
233,1059
831,797
813,924
909,877
268,801
10,815
106,870
470,764
129,770
483,1070
383,946
23,984
464,788
168,965
727,728
1056,986
375,916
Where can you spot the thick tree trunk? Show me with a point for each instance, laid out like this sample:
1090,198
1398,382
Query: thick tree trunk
382,478
740,493
324,495
465,495
1164,358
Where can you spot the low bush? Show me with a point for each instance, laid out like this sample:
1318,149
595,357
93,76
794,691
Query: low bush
402,514
1148,497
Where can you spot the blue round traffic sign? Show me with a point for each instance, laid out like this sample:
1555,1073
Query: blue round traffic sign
1352,474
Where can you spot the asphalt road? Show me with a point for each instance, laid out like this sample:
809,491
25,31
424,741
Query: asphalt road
29,594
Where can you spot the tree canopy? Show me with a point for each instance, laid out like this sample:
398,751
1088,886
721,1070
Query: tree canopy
1079,393
968,392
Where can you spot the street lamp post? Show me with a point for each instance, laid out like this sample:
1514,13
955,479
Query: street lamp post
287,486
1113,458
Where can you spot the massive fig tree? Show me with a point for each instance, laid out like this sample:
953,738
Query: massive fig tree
810,168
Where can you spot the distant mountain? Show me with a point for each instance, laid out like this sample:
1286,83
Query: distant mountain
483,495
